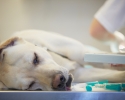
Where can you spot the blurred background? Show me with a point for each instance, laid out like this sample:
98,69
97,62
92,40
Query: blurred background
71,18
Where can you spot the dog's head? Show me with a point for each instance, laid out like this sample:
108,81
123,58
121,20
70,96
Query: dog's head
25,66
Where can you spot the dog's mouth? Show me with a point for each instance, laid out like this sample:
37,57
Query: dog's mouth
68,83
62,87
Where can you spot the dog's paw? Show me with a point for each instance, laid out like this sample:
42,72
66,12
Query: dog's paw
118,66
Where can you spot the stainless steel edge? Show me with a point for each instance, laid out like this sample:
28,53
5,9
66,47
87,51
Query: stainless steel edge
38,95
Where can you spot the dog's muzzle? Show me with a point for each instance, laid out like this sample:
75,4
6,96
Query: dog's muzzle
60,84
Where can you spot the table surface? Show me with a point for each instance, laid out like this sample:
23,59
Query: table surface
40,95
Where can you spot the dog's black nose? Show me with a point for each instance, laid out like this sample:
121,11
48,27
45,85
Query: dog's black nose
59,82
62,82
62,79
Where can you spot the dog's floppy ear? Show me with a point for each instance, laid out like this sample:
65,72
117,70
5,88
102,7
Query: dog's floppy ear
8,43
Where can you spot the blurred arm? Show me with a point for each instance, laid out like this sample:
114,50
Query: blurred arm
100,33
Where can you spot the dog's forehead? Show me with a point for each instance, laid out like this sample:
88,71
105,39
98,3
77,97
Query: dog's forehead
19,49
25,51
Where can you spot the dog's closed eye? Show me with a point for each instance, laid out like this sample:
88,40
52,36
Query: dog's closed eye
36,59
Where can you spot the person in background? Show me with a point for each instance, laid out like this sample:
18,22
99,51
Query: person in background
106,23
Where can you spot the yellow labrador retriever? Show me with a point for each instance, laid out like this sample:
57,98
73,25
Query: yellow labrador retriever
35,59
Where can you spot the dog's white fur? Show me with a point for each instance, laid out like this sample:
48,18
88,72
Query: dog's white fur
18,71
